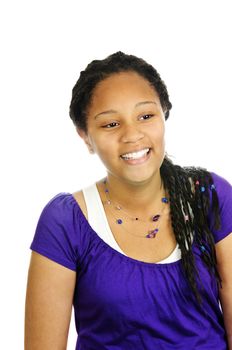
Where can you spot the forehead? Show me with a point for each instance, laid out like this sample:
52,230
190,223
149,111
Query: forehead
121,87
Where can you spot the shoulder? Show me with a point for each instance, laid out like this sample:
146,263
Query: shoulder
223,186
202,176
61,231
223,189
89,191
60,207
79,198
62,213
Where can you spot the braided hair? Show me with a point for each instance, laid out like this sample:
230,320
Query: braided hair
188,187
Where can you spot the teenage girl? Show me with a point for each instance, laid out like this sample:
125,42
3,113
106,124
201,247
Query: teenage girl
144,255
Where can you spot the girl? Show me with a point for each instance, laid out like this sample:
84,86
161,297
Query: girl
144,254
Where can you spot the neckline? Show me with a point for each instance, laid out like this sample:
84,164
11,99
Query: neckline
106,223
116,252
110,233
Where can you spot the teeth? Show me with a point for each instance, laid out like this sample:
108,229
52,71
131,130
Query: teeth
135,155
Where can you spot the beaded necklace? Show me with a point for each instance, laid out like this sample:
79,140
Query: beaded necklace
118,208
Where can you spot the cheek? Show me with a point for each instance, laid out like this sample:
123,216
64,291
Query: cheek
157,136
157,132
104,146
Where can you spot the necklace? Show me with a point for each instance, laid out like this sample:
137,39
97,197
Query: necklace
117,207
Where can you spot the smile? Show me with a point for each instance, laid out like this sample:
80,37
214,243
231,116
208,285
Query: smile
135,155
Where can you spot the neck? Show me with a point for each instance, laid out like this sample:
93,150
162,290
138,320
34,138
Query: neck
139,197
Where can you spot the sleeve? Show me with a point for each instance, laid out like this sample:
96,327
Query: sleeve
57,235
224,192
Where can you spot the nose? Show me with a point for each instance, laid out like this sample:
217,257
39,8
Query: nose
131,134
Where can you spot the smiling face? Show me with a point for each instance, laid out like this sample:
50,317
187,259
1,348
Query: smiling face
126,127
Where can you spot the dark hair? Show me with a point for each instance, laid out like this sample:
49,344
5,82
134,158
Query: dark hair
190,188
98,70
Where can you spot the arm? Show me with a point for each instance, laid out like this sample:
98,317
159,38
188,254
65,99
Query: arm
224,259
48,309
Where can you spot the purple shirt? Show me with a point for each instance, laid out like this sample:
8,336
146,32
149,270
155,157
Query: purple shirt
122,303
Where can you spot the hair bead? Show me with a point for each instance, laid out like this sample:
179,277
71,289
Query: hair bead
202,248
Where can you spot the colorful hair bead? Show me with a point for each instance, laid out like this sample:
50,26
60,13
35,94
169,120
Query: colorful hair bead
202,248
202,189
197,183
212,187
164,200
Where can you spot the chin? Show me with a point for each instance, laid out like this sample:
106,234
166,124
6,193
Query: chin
139,177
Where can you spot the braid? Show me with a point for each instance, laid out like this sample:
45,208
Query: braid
189,209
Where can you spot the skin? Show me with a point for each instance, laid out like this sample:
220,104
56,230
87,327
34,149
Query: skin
48,304
130,127
120,120
224,259
125,115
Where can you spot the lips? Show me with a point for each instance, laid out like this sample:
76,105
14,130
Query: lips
135,155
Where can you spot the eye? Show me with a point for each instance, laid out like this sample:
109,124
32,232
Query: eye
110,125
146,116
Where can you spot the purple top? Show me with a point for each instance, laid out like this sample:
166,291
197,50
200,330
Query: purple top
122,303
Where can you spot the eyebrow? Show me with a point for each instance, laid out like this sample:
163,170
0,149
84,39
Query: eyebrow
111,111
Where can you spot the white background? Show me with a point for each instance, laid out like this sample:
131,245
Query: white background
44,45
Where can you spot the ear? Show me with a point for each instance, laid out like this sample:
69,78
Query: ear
86,139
